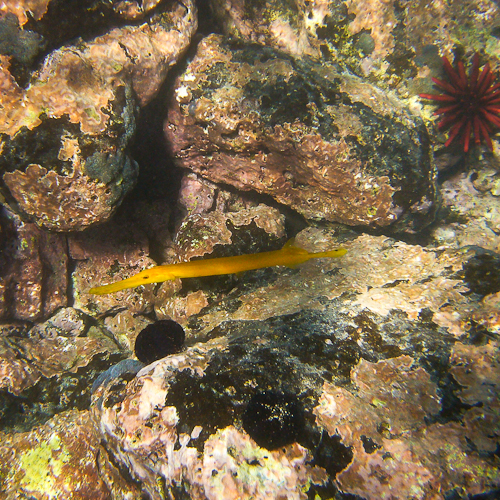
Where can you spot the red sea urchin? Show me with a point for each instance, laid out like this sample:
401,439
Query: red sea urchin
471,105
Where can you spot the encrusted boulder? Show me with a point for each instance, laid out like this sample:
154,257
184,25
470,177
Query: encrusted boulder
205,459
46,369
33,270
64,162
59,460
321,141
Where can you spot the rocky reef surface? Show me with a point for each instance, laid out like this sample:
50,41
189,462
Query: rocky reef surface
129,138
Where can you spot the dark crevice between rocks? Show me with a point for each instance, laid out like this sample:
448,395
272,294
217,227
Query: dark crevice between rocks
50,396
118,466
158,176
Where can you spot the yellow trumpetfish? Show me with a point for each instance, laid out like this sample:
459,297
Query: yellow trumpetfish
289,255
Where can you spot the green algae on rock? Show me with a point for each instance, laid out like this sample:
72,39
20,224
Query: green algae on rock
325,143
58,460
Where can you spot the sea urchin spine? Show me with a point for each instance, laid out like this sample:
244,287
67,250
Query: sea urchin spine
471,105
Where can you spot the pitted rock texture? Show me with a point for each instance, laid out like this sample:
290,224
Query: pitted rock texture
376,391
33,270
64,161
397,44
325,143
136,418
59,460
49,368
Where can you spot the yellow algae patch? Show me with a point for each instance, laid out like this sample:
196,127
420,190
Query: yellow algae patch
42,464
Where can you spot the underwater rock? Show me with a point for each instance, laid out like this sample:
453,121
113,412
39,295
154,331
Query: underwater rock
64,162
23,46
472,211
221,234
196,195
388,408
40,377
361,375
119,249
112,251
124,326
58,459
74,176
48,350
289,26
386,40
62,459
325,143
66,322
477,371
190,446
232,228
24,9
125,368
482,272
33,270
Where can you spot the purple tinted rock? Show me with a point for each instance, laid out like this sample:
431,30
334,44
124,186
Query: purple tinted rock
325,143
34,274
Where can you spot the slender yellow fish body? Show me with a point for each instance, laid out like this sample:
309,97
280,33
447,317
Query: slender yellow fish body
289,256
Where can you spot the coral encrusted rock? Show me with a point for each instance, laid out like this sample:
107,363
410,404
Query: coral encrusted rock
323,142
59,460
33,270
64,161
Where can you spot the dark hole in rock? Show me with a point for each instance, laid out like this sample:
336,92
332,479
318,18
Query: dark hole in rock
369,445
331,454
482,273
159,340
273,419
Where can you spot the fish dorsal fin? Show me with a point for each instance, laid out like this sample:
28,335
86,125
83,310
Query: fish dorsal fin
290,243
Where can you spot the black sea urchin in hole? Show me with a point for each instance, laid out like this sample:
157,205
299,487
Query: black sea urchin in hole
470,105
273,419
482,273
159,340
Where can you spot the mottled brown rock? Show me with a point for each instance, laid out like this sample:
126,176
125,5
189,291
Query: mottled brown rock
22,8
396,44
107,253
199,234
475,213
24,361
288,26
67,172
477,370
323,142
400,397
64,161
33,269
385,421
57,460
196,194
144,434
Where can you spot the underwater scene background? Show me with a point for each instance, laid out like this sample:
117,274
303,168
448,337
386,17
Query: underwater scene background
152,140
